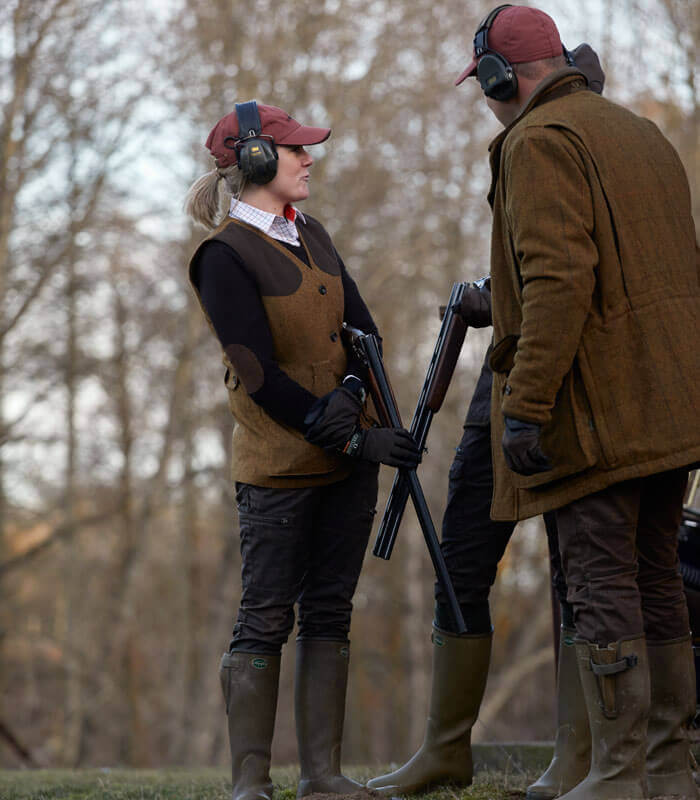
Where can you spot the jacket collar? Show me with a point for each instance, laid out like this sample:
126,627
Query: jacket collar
558,84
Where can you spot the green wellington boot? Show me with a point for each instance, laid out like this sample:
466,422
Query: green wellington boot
250,682
572,745
615,682
460,668
672,675
319,708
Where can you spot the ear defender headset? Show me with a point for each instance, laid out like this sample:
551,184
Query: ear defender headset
256,154
494,72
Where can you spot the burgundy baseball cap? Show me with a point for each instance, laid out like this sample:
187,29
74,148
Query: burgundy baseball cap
274,122
520,34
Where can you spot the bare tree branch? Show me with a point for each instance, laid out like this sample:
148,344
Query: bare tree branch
61,532
16,746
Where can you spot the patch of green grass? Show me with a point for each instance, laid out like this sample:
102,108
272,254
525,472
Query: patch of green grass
115,784
507,783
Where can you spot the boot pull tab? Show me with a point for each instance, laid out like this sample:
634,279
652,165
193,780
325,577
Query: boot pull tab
605,674
625,663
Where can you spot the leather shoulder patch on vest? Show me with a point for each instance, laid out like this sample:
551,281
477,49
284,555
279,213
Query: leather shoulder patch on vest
276,273
319,244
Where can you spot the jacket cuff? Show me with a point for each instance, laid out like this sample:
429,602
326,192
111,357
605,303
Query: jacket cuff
512,406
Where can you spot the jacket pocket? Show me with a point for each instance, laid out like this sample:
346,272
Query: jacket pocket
502,358
263,519
641,373
569,439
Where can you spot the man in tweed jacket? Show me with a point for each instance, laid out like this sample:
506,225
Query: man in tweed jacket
596,300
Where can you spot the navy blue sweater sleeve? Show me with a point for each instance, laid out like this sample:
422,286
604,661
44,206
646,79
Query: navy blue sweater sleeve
236,311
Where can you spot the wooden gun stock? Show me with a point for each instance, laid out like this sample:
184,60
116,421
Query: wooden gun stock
446,363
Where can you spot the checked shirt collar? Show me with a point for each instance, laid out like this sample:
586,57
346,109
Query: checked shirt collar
280,228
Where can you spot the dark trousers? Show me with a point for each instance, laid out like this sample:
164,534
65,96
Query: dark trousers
472,542
305,547
620,555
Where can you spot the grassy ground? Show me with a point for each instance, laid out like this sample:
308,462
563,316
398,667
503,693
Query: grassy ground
501,774
207,784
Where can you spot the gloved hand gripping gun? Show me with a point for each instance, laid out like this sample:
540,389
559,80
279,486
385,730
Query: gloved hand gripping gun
437,380
366,348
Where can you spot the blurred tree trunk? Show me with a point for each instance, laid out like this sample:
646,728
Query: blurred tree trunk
25,42
134,748
190,600
68,598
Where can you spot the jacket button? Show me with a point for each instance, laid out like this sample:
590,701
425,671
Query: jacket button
334,337
322,289
508,389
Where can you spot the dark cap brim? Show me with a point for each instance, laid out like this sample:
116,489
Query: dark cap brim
468,72
305,135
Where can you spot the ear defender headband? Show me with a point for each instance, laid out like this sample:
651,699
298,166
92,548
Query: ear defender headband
494,72
256,154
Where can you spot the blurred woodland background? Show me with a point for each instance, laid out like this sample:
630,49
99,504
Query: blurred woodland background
119,564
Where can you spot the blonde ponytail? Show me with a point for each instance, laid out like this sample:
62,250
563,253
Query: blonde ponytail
203,198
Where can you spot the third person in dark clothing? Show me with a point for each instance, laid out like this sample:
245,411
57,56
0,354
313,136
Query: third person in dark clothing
473,544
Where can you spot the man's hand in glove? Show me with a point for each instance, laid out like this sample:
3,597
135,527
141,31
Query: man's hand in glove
392,446
474,308
521,447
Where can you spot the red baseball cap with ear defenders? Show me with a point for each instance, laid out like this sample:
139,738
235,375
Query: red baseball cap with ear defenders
275,123
520,34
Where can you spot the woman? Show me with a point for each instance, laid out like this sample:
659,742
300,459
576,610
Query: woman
276,292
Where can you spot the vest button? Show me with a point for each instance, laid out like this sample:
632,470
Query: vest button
334,337
322,289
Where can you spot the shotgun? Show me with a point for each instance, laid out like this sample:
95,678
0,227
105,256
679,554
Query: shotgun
437,380
366,347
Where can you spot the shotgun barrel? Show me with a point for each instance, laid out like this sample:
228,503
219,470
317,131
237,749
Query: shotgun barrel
437,380
368,347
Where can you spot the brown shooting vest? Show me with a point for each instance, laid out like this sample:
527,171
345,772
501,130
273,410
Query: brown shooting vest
304,307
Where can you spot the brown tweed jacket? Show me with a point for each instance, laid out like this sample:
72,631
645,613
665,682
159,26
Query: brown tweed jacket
305,327
596,297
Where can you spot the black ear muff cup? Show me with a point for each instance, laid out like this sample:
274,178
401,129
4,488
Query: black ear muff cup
257,159
256,153
496,77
